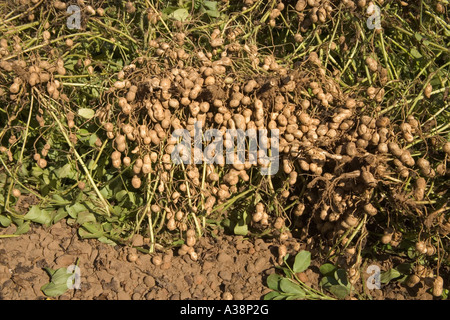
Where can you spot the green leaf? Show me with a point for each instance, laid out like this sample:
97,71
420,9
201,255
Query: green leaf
402,278
4,221
92,165
289,286
327,269
415,53
211,5
90,205
117,210
106,192
339,291
178,243
271,295
444,294
93,227
95,93
213,13
273,281
60,214
302,261
87,235
418,36
328,281
92,139
23,228
50,271
38,215
132,197
106,241
334,284
60,276
90,230
341,276
287,272
107,227
85,216
226,223
2,180
180,14
86,113
295,297
257,198
58,198
121,194
75,209
168,10
58,283
83,133
412,252
65,172
241,228
54,290
387,276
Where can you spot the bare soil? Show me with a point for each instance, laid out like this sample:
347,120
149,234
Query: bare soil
226,264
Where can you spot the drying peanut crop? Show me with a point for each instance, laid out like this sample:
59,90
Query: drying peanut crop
354,159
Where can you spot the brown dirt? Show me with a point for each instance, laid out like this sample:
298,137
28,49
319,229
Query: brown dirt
225,264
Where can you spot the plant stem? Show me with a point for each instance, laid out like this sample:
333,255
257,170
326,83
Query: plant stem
309,289
106,205
194,216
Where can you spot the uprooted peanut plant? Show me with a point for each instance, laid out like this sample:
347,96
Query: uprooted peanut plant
88,116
